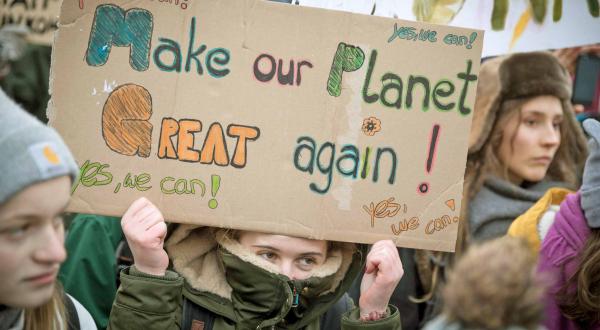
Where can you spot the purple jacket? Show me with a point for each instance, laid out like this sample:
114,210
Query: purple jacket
558,255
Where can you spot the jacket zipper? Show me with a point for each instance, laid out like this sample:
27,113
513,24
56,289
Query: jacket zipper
295,298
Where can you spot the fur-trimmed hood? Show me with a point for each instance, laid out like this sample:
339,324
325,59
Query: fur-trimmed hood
218,268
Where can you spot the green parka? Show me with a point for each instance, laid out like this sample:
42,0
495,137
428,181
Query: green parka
242,290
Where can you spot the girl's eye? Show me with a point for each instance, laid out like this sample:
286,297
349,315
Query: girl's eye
306,263
530,122
267,255
556,125
15,232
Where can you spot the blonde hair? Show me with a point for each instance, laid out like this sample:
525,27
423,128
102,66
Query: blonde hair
51,315
495,286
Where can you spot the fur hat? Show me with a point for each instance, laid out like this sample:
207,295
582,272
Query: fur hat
520,75
488,87
590,188
31,151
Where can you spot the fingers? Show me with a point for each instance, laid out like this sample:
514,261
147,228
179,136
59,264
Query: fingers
158,230
137,205
142,213
149,216
384,259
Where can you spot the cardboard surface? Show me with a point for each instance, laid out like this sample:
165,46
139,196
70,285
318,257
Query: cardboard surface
521,33
39,16
193,104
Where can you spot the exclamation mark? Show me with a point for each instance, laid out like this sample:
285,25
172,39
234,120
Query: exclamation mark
216,183
471,40
424,186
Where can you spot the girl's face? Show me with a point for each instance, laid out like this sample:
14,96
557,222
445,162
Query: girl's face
294,256
530,141
31,242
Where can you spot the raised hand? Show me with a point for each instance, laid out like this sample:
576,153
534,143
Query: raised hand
145,230
383,271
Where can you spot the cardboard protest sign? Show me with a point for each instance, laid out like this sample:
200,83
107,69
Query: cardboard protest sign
39,16
264,116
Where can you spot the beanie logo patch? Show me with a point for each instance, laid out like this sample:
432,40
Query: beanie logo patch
47,159
51,156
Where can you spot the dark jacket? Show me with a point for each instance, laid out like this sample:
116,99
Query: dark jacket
240,289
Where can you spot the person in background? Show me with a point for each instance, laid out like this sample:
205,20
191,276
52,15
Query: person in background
570,253
95,246
494,286
529,142
525,140
25,70
37,173
569,59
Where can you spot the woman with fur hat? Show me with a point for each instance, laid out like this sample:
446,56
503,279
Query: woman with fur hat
524,140
530,141
224,279
570,253
37,171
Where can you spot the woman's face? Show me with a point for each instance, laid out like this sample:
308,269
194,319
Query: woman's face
294,256
31,242
530,141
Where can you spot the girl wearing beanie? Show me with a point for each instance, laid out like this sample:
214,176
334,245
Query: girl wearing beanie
36,174
570,253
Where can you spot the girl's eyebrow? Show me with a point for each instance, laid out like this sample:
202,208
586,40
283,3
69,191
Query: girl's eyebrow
266,247
34,216
277,250
316,254
541,113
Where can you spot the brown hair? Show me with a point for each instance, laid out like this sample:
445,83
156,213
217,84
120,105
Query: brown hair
566,167
578,298
495,286
49,315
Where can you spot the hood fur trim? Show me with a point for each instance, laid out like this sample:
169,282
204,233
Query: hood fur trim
193,252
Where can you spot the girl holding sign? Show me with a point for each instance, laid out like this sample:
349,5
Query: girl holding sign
225,279
35,185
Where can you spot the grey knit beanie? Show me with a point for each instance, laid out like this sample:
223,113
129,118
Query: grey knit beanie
590,188
31,152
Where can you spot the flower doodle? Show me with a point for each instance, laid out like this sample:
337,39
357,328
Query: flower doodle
371,126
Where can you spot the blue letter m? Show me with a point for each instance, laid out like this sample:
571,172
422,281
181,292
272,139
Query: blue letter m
114,26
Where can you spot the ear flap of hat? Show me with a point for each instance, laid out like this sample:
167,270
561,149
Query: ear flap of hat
488,89
590,188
